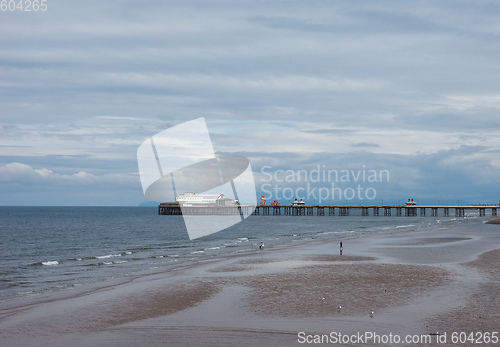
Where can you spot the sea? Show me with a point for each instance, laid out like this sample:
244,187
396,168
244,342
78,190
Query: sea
47,249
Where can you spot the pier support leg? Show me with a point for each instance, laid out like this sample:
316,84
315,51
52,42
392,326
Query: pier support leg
410,211
343,211
459,212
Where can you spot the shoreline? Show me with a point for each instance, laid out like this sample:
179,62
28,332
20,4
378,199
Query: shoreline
271,295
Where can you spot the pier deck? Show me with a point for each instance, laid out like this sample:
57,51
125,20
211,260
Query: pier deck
329,210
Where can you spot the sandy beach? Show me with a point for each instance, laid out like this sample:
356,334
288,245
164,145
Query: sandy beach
414,283
494,221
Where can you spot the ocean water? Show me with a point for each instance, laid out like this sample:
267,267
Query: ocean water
46,249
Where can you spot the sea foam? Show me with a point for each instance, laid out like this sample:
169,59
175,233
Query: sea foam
108,256
51,262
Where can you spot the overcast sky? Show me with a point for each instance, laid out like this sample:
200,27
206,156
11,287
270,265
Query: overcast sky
408,87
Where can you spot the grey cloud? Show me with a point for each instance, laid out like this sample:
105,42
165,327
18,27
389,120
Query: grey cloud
85,83
365,144
461,173
20,173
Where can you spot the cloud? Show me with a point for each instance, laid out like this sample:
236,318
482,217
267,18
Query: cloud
19,173
295,83
466,173
365,144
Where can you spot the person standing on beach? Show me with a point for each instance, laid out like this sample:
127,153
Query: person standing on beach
261,245
341,248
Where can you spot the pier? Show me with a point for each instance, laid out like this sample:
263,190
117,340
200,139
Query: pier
330,210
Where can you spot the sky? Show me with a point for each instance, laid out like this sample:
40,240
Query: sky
350,87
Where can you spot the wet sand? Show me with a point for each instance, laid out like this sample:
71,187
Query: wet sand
494,221
479,312
414,283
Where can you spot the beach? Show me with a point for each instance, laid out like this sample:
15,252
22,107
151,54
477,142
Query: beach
420,283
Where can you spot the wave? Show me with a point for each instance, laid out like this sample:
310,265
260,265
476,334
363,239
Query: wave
404,226
25,293
50,262
108,263
180,246
235,244
106,256
395,227
196,252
